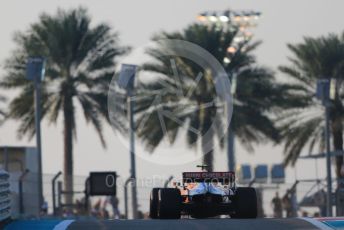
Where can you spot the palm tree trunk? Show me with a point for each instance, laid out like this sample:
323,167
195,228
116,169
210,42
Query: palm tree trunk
208,159
68,149
337,133
208,142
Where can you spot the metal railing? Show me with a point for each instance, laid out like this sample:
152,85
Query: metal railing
5,200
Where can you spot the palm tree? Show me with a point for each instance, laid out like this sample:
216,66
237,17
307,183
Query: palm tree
314,58
80,65
258,94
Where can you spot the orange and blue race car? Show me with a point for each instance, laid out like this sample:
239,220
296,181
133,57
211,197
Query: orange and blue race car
202,195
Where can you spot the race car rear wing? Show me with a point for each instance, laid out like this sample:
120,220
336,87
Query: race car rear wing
220,177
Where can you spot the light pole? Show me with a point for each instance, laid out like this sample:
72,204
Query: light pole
328,163
126,81
230,131
35,70
324,94
240,21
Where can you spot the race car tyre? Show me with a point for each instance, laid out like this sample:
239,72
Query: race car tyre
153,203
170,201
245,202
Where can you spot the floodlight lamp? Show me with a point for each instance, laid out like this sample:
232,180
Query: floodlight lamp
213,17
231,49
226,60
202,17
224,18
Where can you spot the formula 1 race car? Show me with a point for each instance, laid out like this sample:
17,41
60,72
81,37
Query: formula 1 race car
202,195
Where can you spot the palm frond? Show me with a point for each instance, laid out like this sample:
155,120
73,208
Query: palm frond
80,61
312,59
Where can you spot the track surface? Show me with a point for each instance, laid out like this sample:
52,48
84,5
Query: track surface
211,224
189,224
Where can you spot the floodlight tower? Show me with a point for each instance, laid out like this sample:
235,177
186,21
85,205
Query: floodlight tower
240,21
